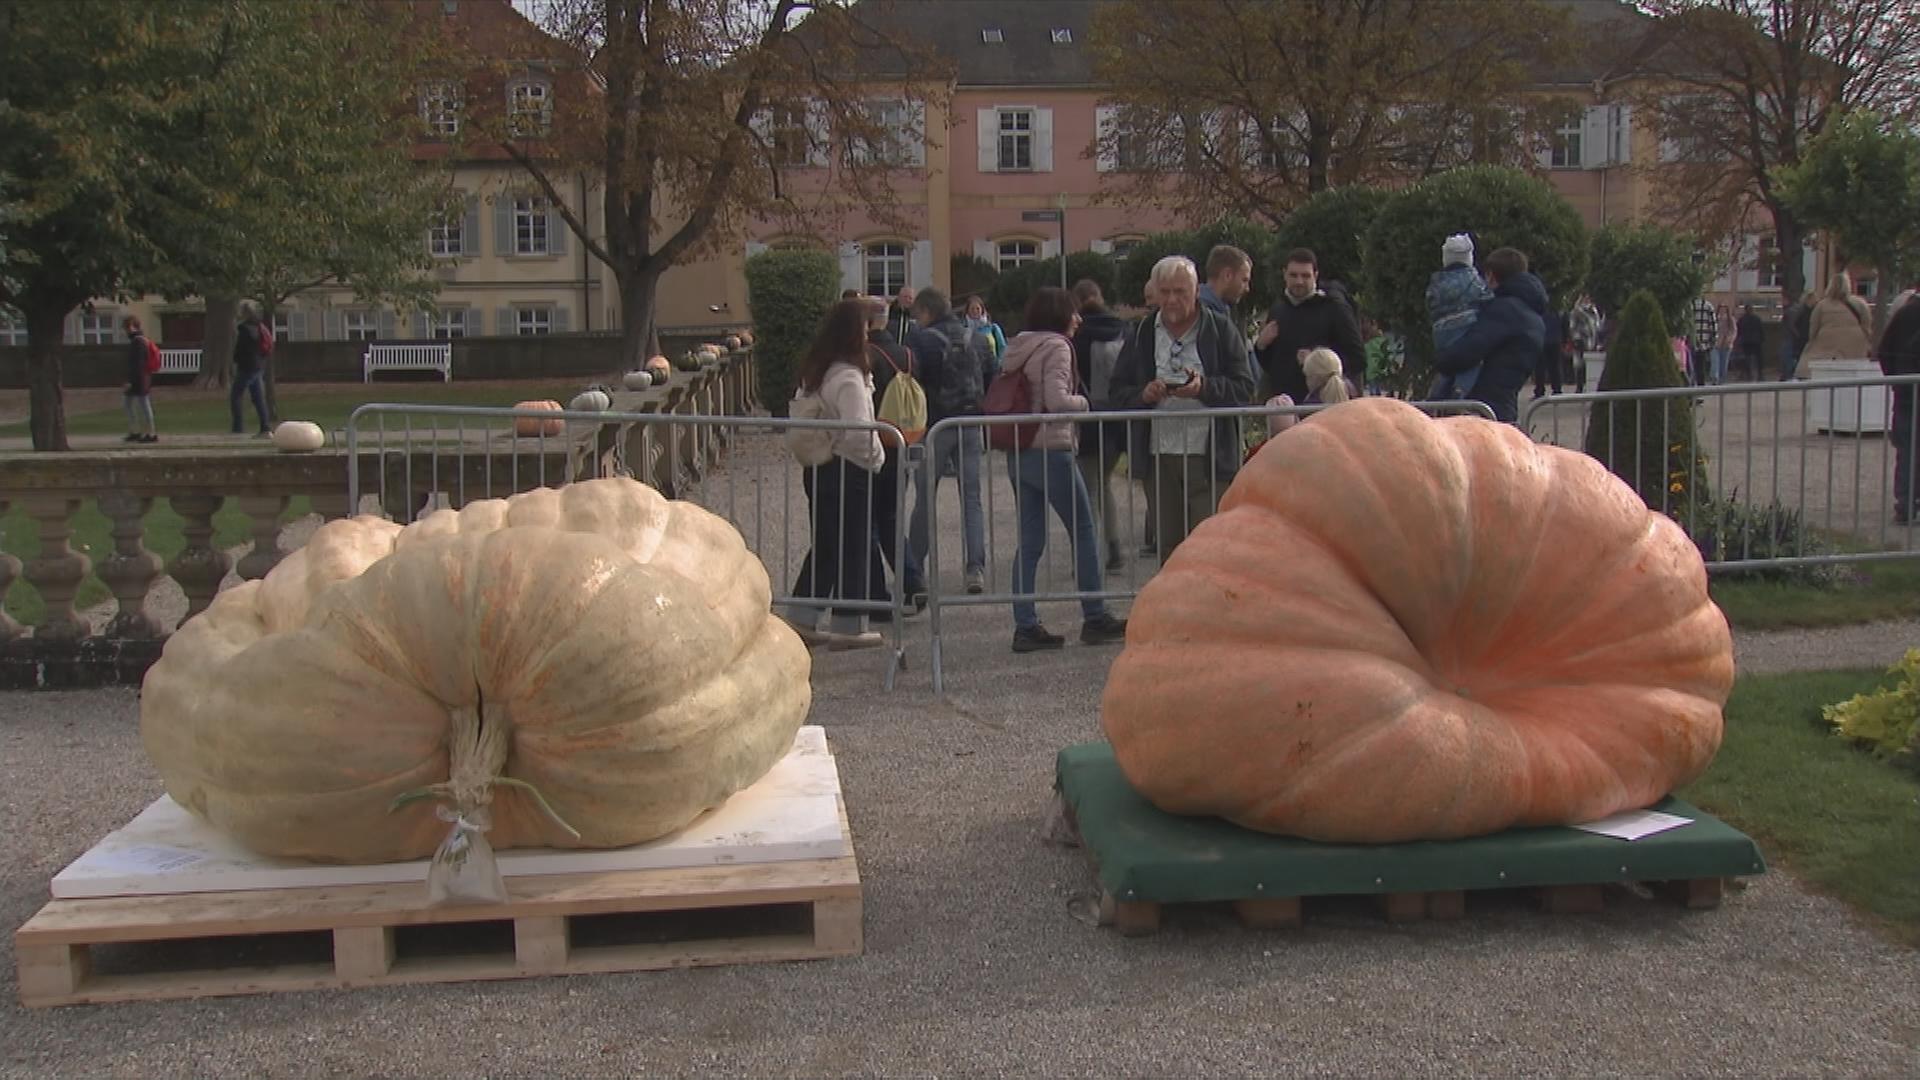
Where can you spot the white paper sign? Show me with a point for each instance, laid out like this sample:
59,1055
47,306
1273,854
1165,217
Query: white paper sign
1634,824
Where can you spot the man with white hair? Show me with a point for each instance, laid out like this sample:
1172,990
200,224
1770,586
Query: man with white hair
1184,358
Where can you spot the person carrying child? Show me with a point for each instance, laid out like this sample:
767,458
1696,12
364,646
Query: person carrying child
1455,293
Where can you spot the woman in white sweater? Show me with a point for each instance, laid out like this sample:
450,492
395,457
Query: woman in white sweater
1044,474
840,493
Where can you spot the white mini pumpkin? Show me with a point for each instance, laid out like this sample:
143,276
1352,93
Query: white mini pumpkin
637,380
590,401
298,437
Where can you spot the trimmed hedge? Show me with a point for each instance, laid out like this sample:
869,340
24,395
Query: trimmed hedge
1257,242
1333,225
971,274
1627,258
790,292
1497,206
1007,300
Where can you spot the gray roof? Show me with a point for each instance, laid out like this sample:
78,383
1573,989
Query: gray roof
1611,33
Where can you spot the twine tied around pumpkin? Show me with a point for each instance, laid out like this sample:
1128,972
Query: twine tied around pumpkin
477,743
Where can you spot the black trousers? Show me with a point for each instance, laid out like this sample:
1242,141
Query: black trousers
840,517
886,531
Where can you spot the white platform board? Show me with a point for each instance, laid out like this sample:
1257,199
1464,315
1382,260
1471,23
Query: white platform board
792,813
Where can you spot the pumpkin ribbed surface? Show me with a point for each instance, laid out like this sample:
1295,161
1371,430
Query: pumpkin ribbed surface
1400,628
619,644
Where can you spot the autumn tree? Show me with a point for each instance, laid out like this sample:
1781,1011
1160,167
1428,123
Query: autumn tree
1860,181
1738,89
1261,103
713,114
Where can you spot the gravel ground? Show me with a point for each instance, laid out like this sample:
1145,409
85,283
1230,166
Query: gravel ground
978,959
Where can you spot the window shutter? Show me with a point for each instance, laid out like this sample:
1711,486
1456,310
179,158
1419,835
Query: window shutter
850,276
920,265
761,124
914,138
470,322
70,333
470,228
1103,133
984,249
819,133
297,326
1250,142
1595,151
331,328
1043,140
557,232
1103,247
1049,248
989,134
389,328
503,325
119,331
559,319
422,325
755,247
1622,135
503,223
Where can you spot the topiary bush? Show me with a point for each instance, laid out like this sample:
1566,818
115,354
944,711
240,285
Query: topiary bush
1623,258
1333,225
1651,444
970,274
1007,300
790,292
1132,271
1498,207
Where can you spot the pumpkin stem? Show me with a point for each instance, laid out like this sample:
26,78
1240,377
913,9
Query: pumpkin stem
477,745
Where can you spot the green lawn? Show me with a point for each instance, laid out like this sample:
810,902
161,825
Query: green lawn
91,535
1875,591
180,410
1834,816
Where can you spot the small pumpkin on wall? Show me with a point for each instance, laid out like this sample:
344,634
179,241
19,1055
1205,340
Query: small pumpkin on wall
746,338
732,342
591,401
528,427
298,437
637,380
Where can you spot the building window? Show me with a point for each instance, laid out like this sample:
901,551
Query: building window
530,321
529,107
1016,140
1767,264
96,328
787,135
529,225
449,323
1566,145
360,325
992,35
1062,35
888,145
1133,150
440,109
1122,246
12,331
446,239
1012,253
1867,289
282,325
885,268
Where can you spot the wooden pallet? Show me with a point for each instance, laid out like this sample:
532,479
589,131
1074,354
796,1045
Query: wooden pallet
140,948
1135,918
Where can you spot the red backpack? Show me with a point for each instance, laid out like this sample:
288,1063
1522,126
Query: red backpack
266,340
1009,395
153,357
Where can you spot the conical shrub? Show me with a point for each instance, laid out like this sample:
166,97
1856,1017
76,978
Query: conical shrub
1649,443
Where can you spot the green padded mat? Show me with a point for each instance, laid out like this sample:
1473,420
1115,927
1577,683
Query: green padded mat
1145,854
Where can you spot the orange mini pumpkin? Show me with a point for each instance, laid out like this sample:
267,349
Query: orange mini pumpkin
1404,628
528,427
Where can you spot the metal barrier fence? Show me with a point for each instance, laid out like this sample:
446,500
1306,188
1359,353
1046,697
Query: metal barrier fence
425,457
1169,501
1778,474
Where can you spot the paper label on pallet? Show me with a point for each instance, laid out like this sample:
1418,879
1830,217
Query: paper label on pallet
1634,824
792,813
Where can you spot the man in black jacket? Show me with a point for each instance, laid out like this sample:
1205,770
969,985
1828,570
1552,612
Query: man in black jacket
954,366
1184,359
1748,336
248,355
888,359
1097,345
1305,318
138,396
1507,337
1899,354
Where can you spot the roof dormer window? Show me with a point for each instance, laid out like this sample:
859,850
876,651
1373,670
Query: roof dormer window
1062,35
992,36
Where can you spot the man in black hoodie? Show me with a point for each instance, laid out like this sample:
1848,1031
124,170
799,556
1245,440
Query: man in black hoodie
1096,353
1507,337
1899,354
1306,317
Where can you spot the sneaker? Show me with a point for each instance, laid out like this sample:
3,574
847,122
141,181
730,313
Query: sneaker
976,582
134,436
869,639
1116,562
810,636
1103,630
1148,551
917,597
1035,638
263,433
149,438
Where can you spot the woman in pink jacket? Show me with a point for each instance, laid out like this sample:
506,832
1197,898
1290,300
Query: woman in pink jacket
1044,475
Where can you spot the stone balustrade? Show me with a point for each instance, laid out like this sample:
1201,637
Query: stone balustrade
403,471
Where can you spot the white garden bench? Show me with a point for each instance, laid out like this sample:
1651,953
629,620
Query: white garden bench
434,357
179,362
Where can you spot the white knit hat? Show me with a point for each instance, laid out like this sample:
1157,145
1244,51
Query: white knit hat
1457,251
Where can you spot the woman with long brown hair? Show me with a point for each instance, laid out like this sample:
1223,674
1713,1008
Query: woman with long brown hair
836,371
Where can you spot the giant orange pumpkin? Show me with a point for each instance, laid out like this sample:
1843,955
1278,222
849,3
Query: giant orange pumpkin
1400,628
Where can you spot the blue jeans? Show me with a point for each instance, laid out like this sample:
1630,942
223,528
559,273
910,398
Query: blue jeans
966,446
1720,364
1043,478
251,384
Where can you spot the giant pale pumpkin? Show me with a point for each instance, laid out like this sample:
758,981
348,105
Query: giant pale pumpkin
597,645
1400,628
